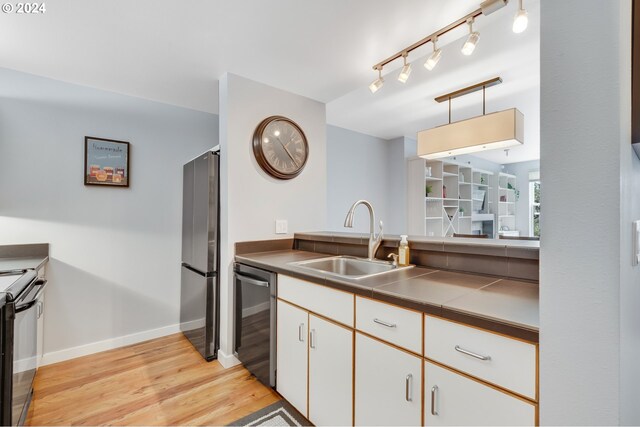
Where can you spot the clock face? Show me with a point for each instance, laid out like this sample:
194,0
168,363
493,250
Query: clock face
280,147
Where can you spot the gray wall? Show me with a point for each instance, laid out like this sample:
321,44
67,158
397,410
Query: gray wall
363,166
357,168
115,253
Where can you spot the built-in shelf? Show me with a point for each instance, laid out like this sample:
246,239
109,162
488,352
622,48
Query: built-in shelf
460,183
506,201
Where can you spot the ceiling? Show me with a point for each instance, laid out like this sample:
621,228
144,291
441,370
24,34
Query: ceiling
174,52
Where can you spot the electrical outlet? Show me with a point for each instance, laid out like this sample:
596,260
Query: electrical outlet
636,243
281,226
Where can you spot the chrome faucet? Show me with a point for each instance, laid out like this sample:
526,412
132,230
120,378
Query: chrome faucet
374,241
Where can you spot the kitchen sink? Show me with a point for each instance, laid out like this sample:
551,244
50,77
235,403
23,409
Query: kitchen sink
350,267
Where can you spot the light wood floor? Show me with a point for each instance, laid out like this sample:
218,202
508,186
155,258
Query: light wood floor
158,382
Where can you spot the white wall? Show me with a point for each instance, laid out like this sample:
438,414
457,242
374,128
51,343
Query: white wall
581,137
253,199
115,253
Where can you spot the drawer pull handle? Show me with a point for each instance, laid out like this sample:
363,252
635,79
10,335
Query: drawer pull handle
312,340
383,323
434,390
301,332
472,354
407,388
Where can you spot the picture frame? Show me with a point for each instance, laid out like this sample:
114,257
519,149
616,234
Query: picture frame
106,162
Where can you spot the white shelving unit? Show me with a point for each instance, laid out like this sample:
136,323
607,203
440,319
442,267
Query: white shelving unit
449,207
506,202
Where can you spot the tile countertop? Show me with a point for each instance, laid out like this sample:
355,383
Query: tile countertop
505,306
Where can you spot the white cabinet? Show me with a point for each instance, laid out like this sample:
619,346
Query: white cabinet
390,323
328,302
494,358
292,359
40,333
330,373
453,399
388,385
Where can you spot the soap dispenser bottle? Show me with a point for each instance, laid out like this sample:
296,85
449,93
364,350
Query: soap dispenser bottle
403,251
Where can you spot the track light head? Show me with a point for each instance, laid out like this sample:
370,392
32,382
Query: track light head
405,71
433,59
377,83
470,44
521,20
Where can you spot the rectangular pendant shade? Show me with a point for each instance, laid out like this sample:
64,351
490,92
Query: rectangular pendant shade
503,129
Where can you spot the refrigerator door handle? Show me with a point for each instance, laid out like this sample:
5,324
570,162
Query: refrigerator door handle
251,280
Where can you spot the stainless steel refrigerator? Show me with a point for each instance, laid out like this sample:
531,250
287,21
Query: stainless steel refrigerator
200,294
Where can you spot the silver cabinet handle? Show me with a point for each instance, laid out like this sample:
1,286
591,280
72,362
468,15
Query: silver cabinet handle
383,323
434,390
471,353
301,332
312,341
407,388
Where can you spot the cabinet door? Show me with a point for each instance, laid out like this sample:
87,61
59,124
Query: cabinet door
291,368
40,333
330,373
453,399
388,385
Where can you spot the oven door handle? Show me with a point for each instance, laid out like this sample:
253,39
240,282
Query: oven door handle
27,305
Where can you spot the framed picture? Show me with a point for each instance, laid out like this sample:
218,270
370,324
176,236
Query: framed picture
106,162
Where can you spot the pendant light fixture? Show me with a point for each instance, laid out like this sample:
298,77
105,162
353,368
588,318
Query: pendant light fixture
406,70
433,59
502,129
521,20
487,7
377,83
470,44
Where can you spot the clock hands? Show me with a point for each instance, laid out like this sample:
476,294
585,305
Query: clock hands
287,151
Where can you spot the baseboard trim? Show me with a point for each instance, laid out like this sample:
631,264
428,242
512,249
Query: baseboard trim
227,360
108,344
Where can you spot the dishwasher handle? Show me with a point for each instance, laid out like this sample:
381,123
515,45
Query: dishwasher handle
251,280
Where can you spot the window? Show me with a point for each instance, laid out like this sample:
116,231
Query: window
534,203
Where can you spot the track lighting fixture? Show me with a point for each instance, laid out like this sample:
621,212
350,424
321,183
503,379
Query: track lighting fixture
485,8
470,45
377,83
433,59
406,70
521,20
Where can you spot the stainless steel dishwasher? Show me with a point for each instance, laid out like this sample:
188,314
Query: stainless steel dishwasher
255,325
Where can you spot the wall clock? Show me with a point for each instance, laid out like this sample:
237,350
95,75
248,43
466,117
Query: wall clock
280,147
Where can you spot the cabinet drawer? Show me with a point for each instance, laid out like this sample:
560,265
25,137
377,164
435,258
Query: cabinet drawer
494,358
390,323
331,303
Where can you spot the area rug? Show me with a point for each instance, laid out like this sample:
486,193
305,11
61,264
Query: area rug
279,414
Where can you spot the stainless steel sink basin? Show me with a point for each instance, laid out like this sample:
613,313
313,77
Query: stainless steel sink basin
349,267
